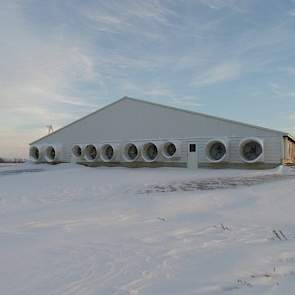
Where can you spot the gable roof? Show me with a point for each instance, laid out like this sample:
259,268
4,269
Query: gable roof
162,106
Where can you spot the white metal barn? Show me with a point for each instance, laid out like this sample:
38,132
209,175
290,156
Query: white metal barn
137,133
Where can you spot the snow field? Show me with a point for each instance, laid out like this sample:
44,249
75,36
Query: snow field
75,230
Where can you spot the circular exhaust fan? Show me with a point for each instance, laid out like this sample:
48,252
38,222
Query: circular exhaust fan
131,152
216,151
169,150
150,152
251,150
90,153
108,153
35,154
77,151
50,154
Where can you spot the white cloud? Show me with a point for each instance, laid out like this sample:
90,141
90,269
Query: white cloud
290,70
130,17
217,74
159,91
235,5
281,91
187,102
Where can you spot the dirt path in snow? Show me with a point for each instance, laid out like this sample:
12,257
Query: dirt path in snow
215,183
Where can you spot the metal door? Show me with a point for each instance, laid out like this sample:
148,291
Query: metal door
192,157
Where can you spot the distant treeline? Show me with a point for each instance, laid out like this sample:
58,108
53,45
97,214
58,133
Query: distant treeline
14,160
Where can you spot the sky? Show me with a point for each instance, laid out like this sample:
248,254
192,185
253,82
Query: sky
61,59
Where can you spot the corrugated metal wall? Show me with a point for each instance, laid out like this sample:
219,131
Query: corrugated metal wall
272,150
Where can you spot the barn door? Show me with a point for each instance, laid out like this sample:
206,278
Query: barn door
192,157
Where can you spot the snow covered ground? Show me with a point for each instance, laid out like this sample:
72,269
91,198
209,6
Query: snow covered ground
68,229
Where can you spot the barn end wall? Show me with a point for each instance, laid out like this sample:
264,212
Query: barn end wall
131,120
